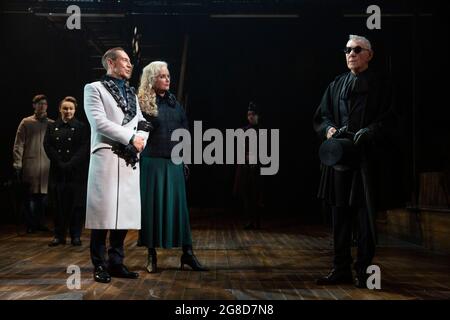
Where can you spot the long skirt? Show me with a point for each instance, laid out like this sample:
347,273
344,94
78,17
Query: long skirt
164,210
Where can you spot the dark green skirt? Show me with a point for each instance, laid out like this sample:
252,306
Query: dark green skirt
164,210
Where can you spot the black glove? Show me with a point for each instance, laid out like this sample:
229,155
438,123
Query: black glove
153,120
145,126
186,171
339,132
362,136
127,152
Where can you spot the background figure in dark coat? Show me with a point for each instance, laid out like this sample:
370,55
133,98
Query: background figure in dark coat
248,182
360,104
66,143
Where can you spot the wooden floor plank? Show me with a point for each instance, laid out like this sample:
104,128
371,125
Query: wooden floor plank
281,261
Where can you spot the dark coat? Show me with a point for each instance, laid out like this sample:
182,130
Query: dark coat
379,115
248,181
67,147
171,116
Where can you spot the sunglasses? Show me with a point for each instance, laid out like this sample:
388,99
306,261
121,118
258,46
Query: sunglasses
356,49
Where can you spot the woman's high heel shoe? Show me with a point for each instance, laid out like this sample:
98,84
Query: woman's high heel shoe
192,261
151,265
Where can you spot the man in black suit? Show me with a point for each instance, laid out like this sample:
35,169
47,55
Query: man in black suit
359,104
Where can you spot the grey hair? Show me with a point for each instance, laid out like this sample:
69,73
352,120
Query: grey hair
361,39
110,54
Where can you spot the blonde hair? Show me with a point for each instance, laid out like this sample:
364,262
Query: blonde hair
146,92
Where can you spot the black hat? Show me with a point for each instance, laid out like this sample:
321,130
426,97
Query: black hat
252,107
339,153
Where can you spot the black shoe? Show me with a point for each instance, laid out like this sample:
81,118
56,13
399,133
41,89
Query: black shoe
192,261
336,277
252,226
76,242
361,280
121,271
249,226
101,274
151,265
43,228
56,242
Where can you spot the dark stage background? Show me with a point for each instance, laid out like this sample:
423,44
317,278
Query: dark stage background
284,64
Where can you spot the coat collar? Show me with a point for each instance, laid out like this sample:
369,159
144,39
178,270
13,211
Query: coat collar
168,99
71,123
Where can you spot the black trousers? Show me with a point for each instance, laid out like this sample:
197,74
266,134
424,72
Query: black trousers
343,218
68,213
35,210
98,247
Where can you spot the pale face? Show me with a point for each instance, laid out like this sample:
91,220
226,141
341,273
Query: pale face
120,67
67,111
358,62
252,118
40,107
162,81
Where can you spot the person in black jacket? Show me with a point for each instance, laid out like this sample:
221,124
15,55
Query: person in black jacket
357,104
66,143
248,181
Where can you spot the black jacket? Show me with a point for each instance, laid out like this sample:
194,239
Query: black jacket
171,116
67,147
379,114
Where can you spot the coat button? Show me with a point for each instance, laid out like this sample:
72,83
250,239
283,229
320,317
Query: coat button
69,139
56,129
57,138
68,151
134,128
73,129
59,150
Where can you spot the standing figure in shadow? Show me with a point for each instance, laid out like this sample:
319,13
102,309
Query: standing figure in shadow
248,181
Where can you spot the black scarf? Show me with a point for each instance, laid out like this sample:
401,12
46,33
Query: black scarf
129,109
169,97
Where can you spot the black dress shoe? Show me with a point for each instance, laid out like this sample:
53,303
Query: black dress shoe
249,226
43,228
56,242
101,274
121,271
336,277
76,242
192,261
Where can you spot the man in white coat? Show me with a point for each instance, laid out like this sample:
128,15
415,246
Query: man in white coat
113,193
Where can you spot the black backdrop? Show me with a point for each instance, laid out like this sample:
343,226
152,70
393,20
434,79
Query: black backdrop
282,64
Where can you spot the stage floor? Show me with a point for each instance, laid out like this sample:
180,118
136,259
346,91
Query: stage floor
281,261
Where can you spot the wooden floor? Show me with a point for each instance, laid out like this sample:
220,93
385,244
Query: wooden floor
280,261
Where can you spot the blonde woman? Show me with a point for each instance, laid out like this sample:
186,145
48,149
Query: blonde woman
165,214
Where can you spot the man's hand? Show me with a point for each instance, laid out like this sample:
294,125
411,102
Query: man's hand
330,132
138,143
362,136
